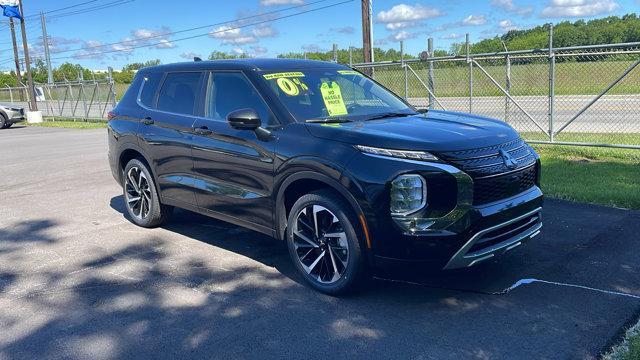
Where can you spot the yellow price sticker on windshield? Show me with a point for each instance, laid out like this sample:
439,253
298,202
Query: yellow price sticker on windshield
288,87
332,97
348,72
283,75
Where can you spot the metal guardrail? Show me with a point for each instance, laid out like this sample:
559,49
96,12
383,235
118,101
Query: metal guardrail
579,95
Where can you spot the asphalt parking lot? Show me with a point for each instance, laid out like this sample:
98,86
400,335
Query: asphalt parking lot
78,280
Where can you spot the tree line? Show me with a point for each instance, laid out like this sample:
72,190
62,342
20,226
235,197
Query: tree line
612,29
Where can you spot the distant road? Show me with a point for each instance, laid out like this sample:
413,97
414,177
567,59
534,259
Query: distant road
610,114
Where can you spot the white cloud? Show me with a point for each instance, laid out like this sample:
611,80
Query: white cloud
452,36
235,36
189,55
156,39
164,44
507,25
264,31
578,8
257,51
237,51
231,36
281,2
403,16
473,20
511,7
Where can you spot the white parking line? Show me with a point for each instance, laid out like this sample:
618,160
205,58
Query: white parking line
530,281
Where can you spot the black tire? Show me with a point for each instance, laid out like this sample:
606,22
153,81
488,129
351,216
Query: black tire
6,126
354,274
3,121
154,213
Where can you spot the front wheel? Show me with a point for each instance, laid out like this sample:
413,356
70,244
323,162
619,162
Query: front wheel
141,197
324,245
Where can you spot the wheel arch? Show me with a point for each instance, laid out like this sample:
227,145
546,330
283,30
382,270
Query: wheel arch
131,151
305,181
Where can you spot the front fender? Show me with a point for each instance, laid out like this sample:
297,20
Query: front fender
322,170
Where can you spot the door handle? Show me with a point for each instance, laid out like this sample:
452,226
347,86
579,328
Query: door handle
203,130
147,121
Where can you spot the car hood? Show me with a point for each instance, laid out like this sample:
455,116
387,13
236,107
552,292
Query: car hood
435,131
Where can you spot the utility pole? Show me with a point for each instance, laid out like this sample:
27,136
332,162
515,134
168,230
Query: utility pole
27,64
15,51
367,34
47,55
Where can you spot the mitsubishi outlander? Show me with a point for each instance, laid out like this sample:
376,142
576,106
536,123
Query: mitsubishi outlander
347,174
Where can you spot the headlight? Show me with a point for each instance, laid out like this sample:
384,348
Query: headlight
403,154
408,194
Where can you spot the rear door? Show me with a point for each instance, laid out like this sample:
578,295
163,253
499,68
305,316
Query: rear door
234,167
166,133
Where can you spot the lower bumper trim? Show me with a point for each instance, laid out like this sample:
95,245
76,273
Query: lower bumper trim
467,256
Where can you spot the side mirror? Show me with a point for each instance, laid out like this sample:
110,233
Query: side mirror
244,119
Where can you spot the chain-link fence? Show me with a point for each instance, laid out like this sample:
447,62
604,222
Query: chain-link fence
587,95
76,100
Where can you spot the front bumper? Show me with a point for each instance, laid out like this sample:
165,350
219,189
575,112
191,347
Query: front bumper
15,116
490,230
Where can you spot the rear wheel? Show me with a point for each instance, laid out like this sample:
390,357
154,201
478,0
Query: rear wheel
141,197
324,245
3,121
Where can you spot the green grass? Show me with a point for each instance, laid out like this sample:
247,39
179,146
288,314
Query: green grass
605,176
629,349
70,124
572,78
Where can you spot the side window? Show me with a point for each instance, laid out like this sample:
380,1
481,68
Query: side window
230,91
178,92
150,88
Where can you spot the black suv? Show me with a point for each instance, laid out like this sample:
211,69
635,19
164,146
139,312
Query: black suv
322,157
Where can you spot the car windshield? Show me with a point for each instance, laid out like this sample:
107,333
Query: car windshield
334,95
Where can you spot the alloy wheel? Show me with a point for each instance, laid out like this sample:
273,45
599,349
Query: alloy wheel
320,244
137,193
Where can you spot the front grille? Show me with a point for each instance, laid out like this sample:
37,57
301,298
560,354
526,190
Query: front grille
493,179
486,190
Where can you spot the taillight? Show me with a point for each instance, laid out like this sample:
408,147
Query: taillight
111,115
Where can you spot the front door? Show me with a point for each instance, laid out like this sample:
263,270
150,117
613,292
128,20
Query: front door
234,168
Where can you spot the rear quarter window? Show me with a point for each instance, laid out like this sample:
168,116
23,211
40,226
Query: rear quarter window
150,85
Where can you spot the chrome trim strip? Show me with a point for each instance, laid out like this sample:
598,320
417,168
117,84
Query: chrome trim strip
507,173
462,259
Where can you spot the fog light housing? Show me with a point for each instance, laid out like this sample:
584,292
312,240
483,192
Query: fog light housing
408,194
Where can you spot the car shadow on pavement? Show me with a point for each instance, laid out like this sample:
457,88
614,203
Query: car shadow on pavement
273,253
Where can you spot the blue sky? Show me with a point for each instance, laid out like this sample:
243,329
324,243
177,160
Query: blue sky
114,33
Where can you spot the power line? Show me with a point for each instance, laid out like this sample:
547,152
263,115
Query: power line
130,48
164,35
204,34
63,8
75,12
91,9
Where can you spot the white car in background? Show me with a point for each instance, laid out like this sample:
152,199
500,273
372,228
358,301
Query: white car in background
10,114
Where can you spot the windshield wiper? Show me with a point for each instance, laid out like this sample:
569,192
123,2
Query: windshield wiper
389,115
329,120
